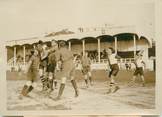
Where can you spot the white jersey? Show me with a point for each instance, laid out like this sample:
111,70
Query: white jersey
139,63
113,59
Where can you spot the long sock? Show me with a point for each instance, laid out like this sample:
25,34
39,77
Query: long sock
43,80
62,87
90,76
26,90
110,87
90,79
75,87
23,92
30,89
51,84
86,81
132,81
143,79
112,79
55,82
134,78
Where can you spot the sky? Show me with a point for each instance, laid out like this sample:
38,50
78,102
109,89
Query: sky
31,18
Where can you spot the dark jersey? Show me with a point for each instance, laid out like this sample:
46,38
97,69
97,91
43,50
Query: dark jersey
52,58
34,62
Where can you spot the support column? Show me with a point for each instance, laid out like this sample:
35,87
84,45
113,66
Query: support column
83,44
69,45
33,46
116,45
134,43
99,50
24,49
14,56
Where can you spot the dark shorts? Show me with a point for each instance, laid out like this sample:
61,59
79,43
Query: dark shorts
139,70
43,64
114,70
86,69
51,68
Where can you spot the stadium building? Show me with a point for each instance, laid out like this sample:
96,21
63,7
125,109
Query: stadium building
124,39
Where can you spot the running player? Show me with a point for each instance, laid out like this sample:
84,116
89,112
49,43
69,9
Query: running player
140,65
32,71
68,68
114,69
86,69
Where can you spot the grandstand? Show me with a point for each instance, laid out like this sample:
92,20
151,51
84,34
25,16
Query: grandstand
123,39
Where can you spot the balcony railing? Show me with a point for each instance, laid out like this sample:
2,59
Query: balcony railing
103,64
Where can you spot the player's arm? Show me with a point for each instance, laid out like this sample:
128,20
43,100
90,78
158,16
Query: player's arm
117,57
144,64
108,64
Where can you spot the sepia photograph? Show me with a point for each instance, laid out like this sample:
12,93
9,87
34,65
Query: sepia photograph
90,116
79,55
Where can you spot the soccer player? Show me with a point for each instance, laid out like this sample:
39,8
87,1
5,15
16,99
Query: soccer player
140,65
86,69
32,71
68,68
114,69
43,55
51,66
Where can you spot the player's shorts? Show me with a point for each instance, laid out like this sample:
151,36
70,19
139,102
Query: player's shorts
43,63
114,70
86,69
33,75
139,70
51,67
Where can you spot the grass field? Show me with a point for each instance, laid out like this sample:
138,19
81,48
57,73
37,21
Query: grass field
135,97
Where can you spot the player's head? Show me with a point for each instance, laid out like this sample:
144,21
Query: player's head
40,42
39,46
34,52
62,44
54,44
44,47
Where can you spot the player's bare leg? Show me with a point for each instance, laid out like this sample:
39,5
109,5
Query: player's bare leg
75,86
143,80
90,78
86,80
